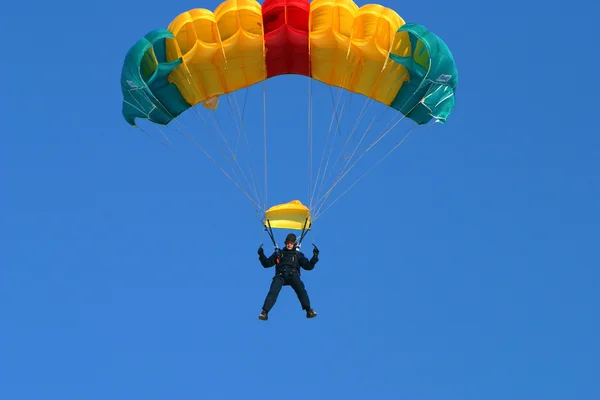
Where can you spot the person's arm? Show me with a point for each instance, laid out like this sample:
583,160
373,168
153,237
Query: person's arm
306,263
266,262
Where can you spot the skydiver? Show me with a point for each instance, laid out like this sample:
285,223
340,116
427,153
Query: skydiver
287,272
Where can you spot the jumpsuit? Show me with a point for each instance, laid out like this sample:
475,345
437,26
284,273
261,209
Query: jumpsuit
287,273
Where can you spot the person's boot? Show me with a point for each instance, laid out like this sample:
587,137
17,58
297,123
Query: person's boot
263,315
310,313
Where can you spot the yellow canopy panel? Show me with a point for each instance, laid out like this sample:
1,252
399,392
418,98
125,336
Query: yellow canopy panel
350,47
221,52
292,215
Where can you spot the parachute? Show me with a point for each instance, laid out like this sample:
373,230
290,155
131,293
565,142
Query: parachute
205,56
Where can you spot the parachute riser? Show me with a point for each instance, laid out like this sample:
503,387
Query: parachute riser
304,232
270,232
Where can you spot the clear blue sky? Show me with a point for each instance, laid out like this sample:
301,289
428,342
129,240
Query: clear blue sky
464,267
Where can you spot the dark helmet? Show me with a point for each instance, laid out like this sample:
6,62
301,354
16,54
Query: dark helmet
290,238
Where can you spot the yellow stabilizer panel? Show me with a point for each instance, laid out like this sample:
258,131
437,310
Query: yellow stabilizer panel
222,51
349,48
211,103
290,215
421,55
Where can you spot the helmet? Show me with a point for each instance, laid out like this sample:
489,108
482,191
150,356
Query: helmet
290,238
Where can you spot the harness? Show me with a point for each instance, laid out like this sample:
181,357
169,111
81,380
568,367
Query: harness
287,263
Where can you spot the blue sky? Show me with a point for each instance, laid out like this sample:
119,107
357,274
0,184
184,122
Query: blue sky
465,266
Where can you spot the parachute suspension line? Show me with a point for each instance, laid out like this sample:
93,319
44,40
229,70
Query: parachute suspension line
185,133
260,213
367,104
240,125
219,129
367,130
348,76
234,118
319,212
226,174
358,121
327,149
368,101
192,140
242,130
164,111
170,145
265,138
179,153
234,152
321,172
310,142
220,132
321,162
242,113
140,109
338,119
231,159
323,199
250,164
245,102
333,115
265,172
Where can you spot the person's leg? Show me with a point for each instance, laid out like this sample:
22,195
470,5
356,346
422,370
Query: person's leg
271,298
298,286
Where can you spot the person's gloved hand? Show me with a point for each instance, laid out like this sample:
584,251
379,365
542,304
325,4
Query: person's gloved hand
260,251
315,251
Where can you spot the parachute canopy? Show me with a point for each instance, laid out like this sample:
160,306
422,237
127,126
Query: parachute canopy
292,215
368,50
206,57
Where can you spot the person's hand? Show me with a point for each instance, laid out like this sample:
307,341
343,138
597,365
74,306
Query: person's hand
260,251
315,251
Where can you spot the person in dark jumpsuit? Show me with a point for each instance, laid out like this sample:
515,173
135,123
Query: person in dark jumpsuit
287,264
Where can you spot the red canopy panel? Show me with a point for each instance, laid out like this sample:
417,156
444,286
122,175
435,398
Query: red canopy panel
285,25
